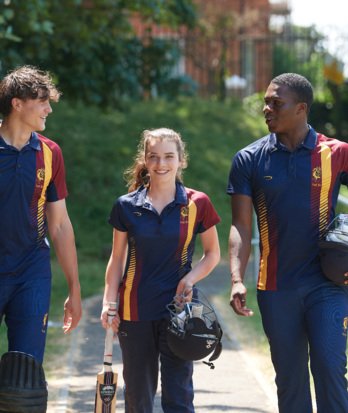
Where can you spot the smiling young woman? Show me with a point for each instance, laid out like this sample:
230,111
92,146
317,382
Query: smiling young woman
155,228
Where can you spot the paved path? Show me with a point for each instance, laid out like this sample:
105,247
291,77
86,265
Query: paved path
235,385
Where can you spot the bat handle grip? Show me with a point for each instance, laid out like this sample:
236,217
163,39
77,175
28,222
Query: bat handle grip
109,338
111,311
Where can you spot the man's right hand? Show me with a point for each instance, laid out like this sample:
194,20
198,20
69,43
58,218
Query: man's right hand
72,312
238,299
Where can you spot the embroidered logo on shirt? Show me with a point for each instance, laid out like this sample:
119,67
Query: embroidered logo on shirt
316,173
184,214
316,176
137,213
40,174
40,177
184,211
268,177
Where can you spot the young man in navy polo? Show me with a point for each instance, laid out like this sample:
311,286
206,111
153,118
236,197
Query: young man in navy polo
291,178
32,203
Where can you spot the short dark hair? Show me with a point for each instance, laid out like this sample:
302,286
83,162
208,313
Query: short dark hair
298,84
26,82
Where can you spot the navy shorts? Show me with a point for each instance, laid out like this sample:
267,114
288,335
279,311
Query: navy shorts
24,305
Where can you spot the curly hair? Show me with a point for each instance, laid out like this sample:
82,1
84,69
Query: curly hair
26,82
137,174
299,85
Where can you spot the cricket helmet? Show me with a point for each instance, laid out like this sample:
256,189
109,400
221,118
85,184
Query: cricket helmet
194,331
334,250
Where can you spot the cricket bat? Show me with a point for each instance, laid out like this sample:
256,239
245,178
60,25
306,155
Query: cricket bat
105,396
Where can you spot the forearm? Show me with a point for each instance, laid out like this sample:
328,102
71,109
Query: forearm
239,251
204,267
116,265
113,276
209,260
64,245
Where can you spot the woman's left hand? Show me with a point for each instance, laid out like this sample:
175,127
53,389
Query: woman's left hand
104,319
184,290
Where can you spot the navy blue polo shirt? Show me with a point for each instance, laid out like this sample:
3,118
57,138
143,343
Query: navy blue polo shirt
294,196
160,248
29,178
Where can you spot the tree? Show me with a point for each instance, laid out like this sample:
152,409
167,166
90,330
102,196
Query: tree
218,38
6,30
89,45
302,50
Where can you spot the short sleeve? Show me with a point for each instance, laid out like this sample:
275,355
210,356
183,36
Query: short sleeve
239,180
209,216
344,173
116,218
57,188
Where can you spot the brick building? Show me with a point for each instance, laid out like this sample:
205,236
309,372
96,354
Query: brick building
230,46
